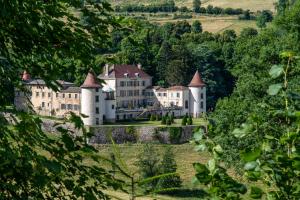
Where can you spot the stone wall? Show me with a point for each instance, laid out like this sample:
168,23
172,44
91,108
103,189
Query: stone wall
136,134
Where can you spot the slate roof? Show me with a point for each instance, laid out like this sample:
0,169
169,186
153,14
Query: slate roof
119,71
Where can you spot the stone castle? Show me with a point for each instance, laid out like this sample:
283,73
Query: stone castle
126,93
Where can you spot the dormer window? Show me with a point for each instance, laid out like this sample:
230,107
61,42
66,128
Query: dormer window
126,75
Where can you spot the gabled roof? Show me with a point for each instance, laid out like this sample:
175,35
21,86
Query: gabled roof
91,81
71,90
119,71
197,81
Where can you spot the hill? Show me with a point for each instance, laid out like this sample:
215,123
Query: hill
252,5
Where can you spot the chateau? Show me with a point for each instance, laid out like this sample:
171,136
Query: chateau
126,93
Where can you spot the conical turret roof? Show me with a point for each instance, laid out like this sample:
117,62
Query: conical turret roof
26,76
91,81
197,81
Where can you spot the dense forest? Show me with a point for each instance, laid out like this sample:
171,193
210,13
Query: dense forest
251,109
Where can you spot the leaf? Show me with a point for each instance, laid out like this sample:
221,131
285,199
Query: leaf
256,193
274,89
250,165
249,156
211,165
276,71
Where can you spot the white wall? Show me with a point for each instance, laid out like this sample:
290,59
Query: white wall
88,106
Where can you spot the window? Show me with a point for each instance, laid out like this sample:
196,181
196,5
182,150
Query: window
97,89
63,106
76,96
201,105
70,96
48,104
97,110
43,104
143,83
112,107
70,106
201,95
97,98
56,95
63,95
122,93
97,121
43,94
37,94
178,94
159,94
165,94
49,94
186,104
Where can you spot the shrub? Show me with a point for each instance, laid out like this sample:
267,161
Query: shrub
164,121
184,121
190,121
168,121
157,117
175,134
172,118
152,118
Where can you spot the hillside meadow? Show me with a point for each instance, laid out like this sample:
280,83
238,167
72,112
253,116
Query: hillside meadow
252,5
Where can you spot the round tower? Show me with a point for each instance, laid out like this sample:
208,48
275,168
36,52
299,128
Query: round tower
197,96
91,97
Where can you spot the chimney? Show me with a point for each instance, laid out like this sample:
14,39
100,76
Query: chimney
139,66
106,69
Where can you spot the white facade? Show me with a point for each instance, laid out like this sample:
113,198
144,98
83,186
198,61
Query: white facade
126,93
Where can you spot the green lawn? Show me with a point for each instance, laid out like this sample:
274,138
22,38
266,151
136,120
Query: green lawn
196,121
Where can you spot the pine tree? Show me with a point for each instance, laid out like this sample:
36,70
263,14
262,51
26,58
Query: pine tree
148,164
162,59
168,165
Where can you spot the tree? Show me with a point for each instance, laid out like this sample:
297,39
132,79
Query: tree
261,21
162,59
197,6
197,27
44,37
164,120
148,164
168,165
168,121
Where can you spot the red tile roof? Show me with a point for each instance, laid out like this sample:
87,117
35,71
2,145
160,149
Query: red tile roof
119,71
197,81
177,87
26,76
91,81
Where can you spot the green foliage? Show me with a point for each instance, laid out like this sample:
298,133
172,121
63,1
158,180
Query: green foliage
51,40
164,120
157,117
148,163
190,120
197,6
152,118
175,134
261,21
168,121
168,165
197,27
184,121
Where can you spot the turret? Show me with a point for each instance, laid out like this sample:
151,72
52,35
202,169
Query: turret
197,96
91,100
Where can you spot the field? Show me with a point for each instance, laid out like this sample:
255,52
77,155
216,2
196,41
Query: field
252,5
214,24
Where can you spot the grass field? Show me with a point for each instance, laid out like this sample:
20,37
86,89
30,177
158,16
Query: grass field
177,122
252,5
